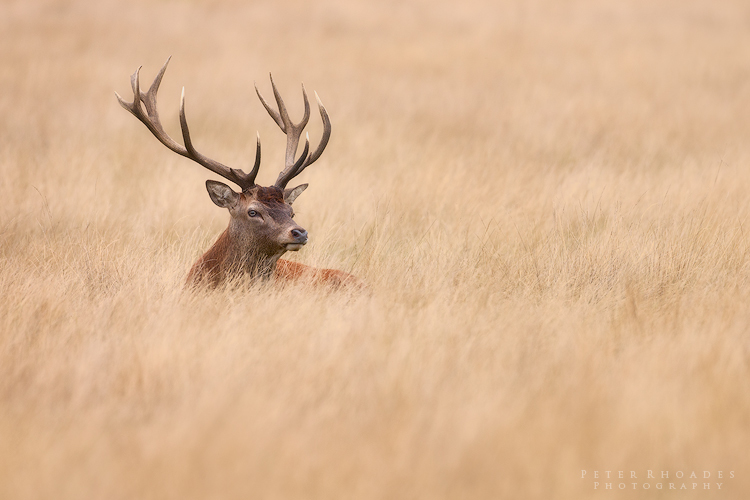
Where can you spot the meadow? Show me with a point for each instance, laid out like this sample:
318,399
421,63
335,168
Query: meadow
547,200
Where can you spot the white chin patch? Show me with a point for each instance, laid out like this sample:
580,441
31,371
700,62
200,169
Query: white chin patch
294,246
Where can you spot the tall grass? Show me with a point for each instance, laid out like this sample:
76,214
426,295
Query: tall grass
548,201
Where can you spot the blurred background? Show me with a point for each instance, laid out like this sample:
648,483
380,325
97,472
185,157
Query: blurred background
547,199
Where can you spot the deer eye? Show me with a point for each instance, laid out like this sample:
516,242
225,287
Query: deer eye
252,213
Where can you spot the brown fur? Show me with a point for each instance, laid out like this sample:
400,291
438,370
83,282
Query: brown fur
207,269
268,195
295,272
248,248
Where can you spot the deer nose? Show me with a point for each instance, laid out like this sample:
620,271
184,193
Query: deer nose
299,235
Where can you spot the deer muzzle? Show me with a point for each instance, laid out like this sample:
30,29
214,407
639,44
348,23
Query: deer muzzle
299,237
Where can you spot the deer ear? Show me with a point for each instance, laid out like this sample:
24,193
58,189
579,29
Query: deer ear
291,194
221,194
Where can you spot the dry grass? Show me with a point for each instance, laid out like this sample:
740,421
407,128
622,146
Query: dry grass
549,201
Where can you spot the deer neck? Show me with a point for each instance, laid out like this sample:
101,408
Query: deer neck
245,254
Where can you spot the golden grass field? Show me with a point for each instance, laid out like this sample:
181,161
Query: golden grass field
547,199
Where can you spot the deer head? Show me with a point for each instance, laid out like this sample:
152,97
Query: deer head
261,228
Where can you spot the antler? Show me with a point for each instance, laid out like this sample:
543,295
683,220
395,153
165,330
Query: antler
293,168
150,118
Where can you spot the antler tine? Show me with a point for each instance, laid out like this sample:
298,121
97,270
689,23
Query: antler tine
302,158
282,108
324,138
285,176
236,175
150,118
274,114
293,132
254,172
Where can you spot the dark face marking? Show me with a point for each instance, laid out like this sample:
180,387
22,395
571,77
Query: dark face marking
272,199
269,194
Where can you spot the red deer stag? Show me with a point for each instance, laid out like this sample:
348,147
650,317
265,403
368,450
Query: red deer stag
261,227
